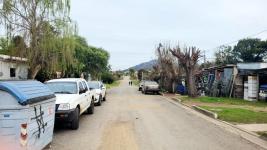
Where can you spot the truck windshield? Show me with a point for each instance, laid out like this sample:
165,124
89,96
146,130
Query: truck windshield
63,87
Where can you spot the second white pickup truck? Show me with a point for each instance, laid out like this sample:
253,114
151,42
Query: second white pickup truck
99,90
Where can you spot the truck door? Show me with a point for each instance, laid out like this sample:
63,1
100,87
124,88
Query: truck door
88,94
103,89
82,97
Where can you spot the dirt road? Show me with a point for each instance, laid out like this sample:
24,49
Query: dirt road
129,120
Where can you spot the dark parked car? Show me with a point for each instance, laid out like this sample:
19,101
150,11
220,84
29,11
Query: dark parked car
150,87
141,85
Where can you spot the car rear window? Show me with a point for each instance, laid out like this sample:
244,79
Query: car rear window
94,85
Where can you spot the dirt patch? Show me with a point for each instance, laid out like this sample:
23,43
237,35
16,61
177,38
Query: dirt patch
119,136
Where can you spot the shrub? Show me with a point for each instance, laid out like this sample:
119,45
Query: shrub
107,78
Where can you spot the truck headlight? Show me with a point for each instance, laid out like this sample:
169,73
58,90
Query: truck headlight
65,106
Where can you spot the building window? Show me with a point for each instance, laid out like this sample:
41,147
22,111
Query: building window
12,72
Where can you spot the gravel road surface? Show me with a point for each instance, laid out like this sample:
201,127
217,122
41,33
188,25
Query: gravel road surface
129,120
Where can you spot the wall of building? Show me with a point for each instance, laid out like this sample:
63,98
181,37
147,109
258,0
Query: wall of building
21,70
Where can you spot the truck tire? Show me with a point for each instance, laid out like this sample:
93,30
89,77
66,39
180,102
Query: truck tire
91,109
99,103
75,121
104,98
145,92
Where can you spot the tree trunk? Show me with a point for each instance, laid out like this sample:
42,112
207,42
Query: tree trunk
192,91
33,71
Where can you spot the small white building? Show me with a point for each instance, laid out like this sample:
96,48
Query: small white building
13,68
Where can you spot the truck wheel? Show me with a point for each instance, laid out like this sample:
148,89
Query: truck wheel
99,103
91,109
75,121
104,98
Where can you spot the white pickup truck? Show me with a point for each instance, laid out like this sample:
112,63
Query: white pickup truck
73,98
99,91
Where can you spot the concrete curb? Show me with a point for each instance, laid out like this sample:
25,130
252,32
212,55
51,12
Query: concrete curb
194,106
247,135
177,100
162,94
206,112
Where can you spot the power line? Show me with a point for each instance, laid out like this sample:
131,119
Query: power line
228,43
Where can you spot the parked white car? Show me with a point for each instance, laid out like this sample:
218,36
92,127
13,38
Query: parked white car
73,98
99,90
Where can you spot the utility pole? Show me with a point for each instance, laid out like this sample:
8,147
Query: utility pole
205,57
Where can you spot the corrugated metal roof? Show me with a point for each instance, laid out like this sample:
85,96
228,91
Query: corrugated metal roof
27,92
12,58
252,66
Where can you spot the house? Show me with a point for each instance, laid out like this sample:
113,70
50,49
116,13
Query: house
253,75
244,80
218,80
13,68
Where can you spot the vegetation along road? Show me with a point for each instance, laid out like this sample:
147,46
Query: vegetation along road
129,120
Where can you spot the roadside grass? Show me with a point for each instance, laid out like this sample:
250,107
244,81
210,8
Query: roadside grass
136,82
223,100
114,84
231,109
238,115
133,78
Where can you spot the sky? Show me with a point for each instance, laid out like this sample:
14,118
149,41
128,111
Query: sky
131,29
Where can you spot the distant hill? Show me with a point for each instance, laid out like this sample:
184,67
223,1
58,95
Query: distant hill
146,65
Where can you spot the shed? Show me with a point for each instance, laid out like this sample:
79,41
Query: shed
254,75
27,114
13,68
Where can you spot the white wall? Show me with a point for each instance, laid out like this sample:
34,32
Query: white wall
21,70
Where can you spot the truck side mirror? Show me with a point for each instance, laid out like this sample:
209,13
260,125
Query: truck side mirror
81,91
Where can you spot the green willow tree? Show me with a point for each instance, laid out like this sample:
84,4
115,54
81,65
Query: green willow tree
97,61
89,59
41,23
3,46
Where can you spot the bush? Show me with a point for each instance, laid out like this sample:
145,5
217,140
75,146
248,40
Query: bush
44,75
107,78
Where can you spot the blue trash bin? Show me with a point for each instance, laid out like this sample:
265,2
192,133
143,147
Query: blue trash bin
27,114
